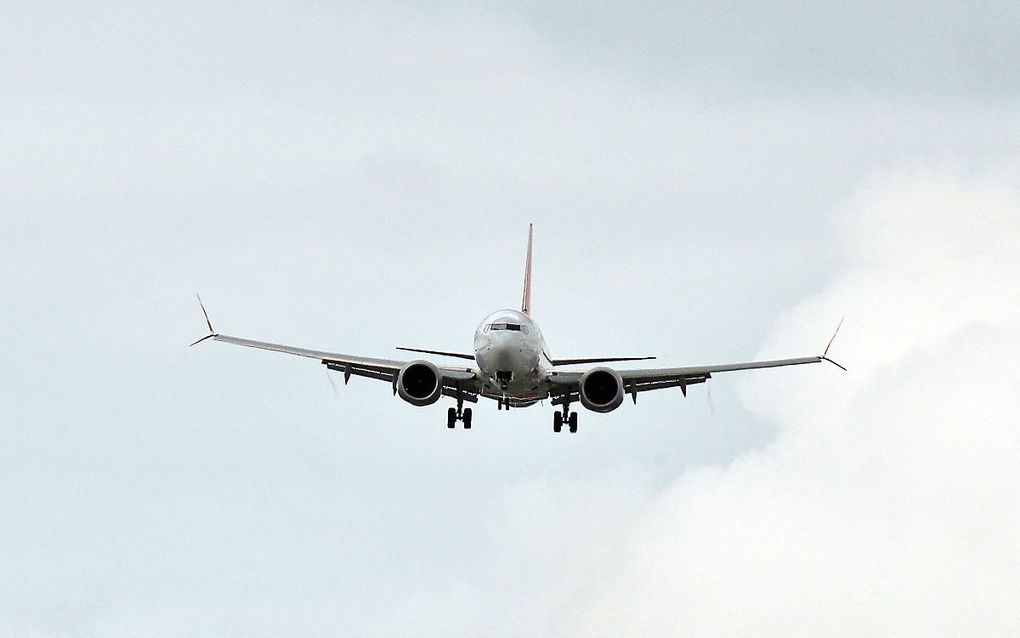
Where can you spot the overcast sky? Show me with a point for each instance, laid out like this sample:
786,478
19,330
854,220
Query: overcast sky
707,184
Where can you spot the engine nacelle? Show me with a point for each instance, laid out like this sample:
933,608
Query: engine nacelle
420,383
601,389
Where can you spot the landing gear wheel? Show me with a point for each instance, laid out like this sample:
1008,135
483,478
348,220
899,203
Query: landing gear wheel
557,421
451,418
573,422
467,418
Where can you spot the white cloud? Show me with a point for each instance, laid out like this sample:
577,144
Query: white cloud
887,505
293,163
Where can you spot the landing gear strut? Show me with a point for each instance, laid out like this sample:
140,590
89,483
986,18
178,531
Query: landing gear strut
460,413
565,417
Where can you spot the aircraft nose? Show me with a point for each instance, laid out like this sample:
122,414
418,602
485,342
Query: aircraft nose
501,355
510,356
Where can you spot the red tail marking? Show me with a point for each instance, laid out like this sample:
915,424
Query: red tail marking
526,300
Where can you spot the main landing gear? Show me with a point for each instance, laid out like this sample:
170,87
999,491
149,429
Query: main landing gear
566,417
459,413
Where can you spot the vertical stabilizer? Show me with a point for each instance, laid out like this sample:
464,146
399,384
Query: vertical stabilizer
526,300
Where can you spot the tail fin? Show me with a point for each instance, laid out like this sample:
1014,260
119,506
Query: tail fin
526,300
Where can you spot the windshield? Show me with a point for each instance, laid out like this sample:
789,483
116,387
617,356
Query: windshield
507,326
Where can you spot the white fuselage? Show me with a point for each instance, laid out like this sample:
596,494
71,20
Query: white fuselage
511,356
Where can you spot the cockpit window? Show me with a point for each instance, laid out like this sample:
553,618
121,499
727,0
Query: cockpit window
506,326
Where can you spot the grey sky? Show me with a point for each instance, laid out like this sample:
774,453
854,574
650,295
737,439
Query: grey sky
904,49
706,185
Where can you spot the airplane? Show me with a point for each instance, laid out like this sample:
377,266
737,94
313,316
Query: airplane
513,367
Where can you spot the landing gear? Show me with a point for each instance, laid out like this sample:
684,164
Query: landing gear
566,417
460,413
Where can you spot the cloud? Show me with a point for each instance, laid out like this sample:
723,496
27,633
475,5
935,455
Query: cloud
291,162
886,505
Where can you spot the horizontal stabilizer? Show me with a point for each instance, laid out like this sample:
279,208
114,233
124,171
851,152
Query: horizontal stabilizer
459,355
569,362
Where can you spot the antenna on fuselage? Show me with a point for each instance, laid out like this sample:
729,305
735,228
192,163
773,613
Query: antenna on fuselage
526,299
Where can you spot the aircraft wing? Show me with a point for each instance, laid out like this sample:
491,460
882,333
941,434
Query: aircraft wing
352,365
654,375
567,384
635,381
367,363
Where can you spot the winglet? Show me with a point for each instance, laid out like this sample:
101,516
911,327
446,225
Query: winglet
526,298
212,332
825,353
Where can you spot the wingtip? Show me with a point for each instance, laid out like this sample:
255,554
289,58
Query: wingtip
824,358
208,336
212,331
205,314
825,353
833,337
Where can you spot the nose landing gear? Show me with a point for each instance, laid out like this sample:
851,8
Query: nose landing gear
566,417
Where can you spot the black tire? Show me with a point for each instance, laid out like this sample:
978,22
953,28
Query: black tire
573,422
467,418
557,421
451,418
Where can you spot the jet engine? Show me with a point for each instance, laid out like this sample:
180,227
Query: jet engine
601,389
420,383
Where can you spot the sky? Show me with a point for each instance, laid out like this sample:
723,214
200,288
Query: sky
707,184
